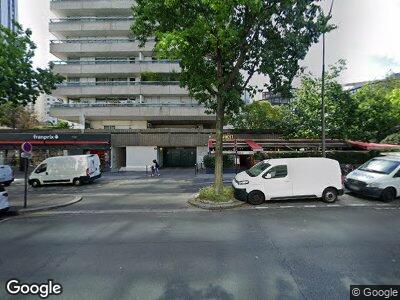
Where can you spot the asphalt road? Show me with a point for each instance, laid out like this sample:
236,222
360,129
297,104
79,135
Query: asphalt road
137,239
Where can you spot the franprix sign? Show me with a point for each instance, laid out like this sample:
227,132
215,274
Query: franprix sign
50,137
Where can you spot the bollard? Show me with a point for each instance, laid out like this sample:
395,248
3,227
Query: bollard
195,169
147,171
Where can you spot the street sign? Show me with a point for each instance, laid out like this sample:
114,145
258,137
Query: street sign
26,155
26,147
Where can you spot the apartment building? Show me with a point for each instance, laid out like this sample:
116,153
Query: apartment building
113,84
8,12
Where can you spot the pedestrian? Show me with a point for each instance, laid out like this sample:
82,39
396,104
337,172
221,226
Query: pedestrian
156,167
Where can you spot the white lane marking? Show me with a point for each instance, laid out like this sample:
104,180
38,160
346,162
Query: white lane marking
358,204
334,205
309,206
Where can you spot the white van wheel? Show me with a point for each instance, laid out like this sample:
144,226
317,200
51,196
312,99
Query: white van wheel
35,183
388,194
256,198
330,195
77,182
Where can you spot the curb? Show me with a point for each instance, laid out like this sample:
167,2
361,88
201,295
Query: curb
48,207
213,206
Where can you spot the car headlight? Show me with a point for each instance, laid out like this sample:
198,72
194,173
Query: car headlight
243,182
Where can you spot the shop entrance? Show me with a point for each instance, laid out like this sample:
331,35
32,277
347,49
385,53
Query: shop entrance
179,157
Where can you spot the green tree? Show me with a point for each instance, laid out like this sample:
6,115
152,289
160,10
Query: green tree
304,118
222,44
378,110
259,115
20,82
16,116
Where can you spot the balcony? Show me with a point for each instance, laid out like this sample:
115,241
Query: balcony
78,68
65,8
120,88
75,27
134,112
99,47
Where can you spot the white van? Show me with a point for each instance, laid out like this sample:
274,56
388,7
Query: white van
4,204
76,169
6,175
378,178
290,178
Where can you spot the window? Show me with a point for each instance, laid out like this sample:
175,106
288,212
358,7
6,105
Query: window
380,166
258,169
397,175
277,172
42,168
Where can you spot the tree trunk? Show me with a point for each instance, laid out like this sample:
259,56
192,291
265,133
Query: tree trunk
218,181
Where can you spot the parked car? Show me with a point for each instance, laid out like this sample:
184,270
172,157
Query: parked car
6,175
378,178
291,178
76,169
4,204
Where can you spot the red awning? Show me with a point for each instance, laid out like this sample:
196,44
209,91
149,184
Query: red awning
254,146
373,146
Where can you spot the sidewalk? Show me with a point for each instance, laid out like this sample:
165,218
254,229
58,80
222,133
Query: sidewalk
40,202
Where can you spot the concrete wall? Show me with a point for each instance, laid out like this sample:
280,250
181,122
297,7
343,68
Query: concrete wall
137,157
119,124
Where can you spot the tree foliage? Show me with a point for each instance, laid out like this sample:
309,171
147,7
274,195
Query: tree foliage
17,117
378,110
259,115
20,82
304,117
222,44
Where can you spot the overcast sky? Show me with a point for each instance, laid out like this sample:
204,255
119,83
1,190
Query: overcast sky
367,37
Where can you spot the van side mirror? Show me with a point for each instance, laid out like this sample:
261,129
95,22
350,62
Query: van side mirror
397,175
268,176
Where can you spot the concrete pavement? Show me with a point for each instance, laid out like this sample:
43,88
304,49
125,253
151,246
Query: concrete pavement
267,254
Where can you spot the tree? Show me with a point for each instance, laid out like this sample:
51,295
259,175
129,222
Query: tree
259,115
304,118
378,110
222,44
20,83
16,116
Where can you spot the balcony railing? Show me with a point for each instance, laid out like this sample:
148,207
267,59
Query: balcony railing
132,104
89,19
117,83
96,41
103,62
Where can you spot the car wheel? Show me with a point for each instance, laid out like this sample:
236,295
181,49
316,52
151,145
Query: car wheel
388,194
77,182
256,198
330,195
35,183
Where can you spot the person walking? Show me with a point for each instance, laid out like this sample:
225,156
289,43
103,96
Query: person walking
156,167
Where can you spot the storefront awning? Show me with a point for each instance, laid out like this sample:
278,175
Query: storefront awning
373,146
254,146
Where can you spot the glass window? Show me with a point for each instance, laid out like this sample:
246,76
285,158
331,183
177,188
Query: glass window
258,169
277,172
380,166
42,168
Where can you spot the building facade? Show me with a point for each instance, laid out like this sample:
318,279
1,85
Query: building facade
8,12
113,84
275,99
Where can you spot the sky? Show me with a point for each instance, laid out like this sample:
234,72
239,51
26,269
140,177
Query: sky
366,37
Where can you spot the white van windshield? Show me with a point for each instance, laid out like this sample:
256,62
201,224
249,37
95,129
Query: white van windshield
258,169
380,166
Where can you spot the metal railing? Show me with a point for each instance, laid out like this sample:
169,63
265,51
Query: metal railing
117,83
96,41
107,62
131,104
89,19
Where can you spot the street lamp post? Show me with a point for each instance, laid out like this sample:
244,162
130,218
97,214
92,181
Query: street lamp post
323,133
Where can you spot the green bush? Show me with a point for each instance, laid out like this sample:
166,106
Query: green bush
208,193
209,161
343,157
392,139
